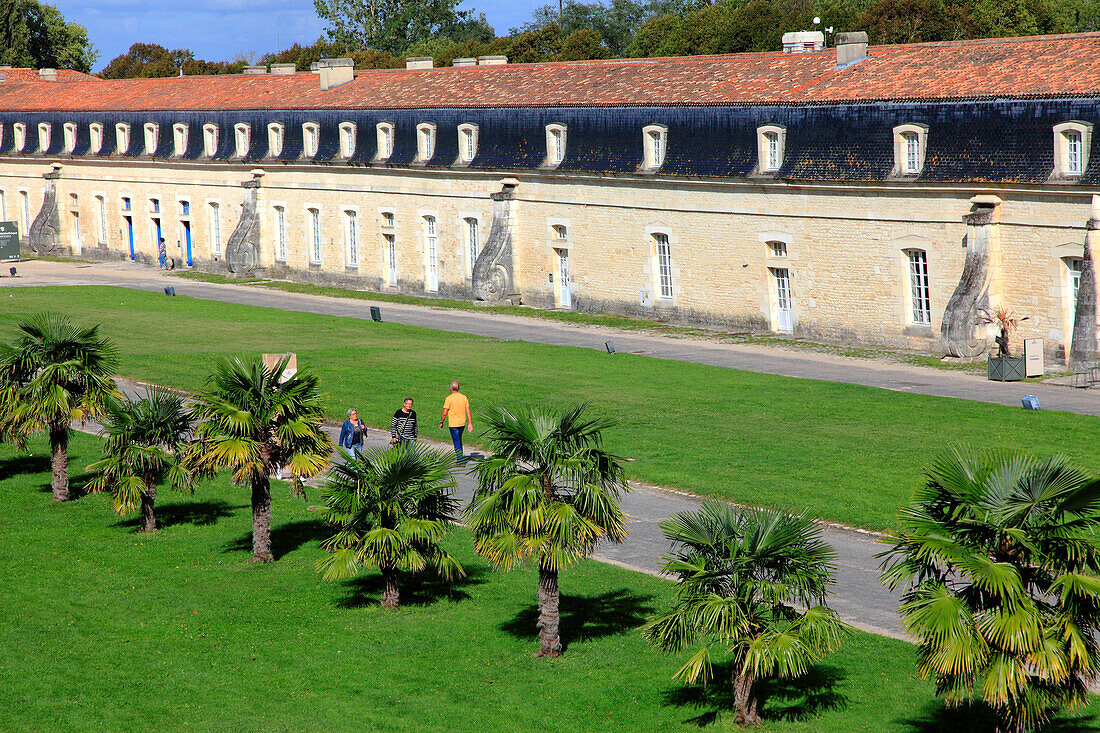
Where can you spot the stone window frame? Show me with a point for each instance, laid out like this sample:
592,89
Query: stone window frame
424,215
311,139
654,262
215,228
911,295
103,231
385,133
152,132
425,141
95,137
345,227
276,135
69,131
281,240
468,132
122,138
765,135
389,275
25,211
242,139
314,231
19,136
464,218
555,150
45,132
347,139
209,140
180,133
1062,133
902,134
654,147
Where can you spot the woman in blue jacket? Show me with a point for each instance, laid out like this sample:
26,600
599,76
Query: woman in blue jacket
352,433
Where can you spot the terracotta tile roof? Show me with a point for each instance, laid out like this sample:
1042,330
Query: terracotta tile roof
22,76
1005,68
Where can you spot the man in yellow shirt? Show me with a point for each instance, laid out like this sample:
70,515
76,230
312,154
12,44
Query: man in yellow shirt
456,411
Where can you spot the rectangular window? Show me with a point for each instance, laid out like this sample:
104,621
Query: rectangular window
558,148
468,144
773,150
918,285
1074,265
185,208
156,205
353,240
216,228
102,219
387,219
1073,153
473,237
391,257
280,233
26,212
778,249
658,149
664,265
315,235
125,203
387,142
432,252
912,152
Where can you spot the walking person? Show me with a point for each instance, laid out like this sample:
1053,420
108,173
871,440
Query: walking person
162,255
352,433
403,424
456,411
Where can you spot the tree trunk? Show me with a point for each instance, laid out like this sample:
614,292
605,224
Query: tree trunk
744,700
59,447
549,599
391,595
261,520
148,496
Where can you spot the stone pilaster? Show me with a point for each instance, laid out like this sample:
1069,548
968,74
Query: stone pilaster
979,282
1083,346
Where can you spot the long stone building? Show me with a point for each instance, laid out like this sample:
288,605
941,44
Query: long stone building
874,195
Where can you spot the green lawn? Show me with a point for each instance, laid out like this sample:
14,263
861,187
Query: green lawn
106,629
843,452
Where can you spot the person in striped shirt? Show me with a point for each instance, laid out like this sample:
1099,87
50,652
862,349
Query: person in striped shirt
403,424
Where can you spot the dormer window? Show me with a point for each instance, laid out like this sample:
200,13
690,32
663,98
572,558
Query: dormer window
275,139
179,138
654,142
122,138
150,138
467,143
425,141
242,133
385,134
555,145
43,136
909,145
209,140
95,136
771,144
311,136
1072,142
70,136
19,135
347,139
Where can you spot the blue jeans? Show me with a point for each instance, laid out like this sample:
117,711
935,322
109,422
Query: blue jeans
456,438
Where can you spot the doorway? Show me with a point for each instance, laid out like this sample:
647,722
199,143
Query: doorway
130,235
783,319
566,298
187,242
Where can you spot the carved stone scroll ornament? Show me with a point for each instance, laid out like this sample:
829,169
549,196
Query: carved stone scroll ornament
493,270
958,328
1083,346
44,234
242,251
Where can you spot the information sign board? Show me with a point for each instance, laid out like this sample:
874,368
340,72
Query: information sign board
9,240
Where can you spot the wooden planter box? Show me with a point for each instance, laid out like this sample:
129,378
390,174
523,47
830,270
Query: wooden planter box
1006,368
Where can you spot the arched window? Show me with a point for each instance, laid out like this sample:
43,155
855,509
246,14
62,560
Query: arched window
122,138
275,139
555,144
151,130
43,136
654,143
425,141
384,132
467,142
209,140
347,139
242,133
179,139
311,137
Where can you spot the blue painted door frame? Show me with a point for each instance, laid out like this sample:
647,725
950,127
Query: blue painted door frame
130,235
187,236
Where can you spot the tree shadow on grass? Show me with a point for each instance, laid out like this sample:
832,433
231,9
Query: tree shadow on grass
588,617
199,513
18,465
78,484
285,538
936,716
417,589
795,699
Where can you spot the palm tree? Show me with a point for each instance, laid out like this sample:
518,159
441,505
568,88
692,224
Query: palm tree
391,507
144,440
251,420
999,558
53,374
752,583
548,493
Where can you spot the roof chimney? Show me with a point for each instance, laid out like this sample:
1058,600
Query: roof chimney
419,62
492,60
803,41
465,62
254,70
850,48
283,69
335,72
47,74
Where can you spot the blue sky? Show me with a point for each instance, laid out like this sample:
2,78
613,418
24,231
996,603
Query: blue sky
220,29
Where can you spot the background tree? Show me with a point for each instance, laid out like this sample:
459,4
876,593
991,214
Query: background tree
999,561
549,493
34,35
144,440
391,507
745,575
394,25
253,422
55,373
